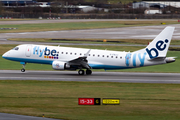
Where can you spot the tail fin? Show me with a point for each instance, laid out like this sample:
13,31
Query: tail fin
159,46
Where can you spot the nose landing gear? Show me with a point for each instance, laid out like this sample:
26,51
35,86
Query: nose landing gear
23,69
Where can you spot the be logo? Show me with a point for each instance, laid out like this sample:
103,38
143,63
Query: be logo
160,45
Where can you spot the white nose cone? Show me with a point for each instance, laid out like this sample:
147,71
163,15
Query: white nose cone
5,55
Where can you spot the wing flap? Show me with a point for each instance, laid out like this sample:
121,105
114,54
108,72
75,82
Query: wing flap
82,62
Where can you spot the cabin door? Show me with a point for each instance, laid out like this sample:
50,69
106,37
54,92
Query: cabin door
128,59
28,50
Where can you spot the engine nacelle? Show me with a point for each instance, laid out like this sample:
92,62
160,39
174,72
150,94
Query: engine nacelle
58,65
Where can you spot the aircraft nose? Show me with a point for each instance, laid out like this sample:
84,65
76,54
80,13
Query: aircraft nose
5,55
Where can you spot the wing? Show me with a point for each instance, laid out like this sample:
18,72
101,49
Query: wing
81,62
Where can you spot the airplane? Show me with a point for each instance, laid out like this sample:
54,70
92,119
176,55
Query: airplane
69,58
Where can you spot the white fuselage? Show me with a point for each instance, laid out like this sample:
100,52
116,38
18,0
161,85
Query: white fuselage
97,59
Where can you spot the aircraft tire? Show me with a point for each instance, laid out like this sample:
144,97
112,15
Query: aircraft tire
81,72
88,72
23,70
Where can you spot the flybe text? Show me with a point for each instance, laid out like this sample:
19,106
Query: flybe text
47,53
138,59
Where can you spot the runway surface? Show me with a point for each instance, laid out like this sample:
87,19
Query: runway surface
140,32
126,77
73,20
65,21
5,116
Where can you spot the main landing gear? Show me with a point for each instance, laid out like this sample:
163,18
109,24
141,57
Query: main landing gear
23,69
88,72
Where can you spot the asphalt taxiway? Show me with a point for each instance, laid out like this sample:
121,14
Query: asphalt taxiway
139,32
125,77
10,22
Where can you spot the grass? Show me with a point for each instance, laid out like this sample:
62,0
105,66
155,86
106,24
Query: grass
76,26
92,41
56,99
168,68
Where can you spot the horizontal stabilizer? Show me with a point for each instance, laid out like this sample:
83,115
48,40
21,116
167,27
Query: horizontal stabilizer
170,59
157,59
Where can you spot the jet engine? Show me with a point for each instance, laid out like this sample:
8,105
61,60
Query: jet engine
58,65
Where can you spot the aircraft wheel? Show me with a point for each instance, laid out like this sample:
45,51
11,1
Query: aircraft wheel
22,70
88,72
81,72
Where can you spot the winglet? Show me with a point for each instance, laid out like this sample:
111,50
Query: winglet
87,53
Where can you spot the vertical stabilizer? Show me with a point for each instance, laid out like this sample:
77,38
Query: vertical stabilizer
159,46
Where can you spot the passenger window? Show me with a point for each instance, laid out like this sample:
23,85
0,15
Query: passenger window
107,56
111,56
66,52
103,56
62,53
98,55
75,53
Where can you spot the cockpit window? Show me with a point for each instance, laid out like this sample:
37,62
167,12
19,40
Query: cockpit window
16,48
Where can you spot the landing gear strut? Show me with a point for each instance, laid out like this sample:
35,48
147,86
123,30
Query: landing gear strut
23,69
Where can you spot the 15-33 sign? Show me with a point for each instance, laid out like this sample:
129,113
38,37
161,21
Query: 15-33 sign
89,101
